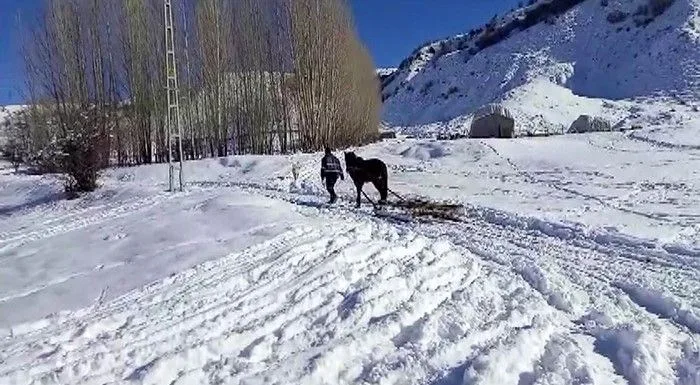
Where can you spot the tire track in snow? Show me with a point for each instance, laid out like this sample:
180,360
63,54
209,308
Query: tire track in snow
491,235
77,219
594,277
556,186
246,333
417,306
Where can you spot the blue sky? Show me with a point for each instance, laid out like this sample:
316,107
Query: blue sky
391,29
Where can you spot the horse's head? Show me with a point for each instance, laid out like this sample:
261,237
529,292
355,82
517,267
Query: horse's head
350,157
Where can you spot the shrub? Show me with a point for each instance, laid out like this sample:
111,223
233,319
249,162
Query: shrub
604,3
658,7
79,175
80,156
642,10
13,153
616,16
426,87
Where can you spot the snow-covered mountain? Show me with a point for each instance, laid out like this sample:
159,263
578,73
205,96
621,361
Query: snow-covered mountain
551,61
385,73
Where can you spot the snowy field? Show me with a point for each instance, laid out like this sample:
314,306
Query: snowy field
577,262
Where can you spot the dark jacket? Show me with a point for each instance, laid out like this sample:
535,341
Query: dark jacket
330,166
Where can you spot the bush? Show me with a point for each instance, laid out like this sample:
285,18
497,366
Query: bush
80,163
551,20
78,151
616,16
12,152
658,7
642,10
426,87
604,3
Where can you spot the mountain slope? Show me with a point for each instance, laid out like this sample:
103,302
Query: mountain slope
595,51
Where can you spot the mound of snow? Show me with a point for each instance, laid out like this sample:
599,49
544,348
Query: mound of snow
662,305
305,187
424,151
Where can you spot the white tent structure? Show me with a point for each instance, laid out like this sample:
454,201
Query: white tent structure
492,121
587,123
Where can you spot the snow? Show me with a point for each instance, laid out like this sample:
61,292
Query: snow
665,306
385,71
551,73
575,262
424,151
576,259
116,240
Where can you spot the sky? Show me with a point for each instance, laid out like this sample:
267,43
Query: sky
391,29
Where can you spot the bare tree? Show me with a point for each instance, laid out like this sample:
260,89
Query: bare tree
260,77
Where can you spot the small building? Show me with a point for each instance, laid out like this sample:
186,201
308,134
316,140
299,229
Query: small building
587,123
492,121
387,135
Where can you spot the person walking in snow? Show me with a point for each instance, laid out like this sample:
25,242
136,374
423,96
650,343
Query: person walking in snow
330,172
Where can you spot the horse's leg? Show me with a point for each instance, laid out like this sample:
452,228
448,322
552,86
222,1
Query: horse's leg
384,192
380,185
359,195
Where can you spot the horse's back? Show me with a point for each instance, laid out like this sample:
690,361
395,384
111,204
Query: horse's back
376,166
375,163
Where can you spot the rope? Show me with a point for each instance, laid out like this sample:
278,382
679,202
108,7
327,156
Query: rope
368,198
396,195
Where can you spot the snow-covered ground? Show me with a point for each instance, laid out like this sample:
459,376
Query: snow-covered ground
60,254
577,262
576,259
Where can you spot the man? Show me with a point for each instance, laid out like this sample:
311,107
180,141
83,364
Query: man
330,171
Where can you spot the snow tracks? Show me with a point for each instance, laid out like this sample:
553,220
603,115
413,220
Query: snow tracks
362,300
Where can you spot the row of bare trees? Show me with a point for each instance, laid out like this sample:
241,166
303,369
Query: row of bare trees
256,76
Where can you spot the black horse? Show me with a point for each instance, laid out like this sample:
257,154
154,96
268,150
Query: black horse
363,171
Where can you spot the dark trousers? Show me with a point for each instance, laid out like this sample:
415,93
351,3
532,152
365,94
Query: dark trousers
330,186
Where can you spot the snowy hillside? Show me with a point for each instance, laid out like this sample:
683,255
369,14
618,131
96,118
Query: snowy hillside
385,73
576,261
553,60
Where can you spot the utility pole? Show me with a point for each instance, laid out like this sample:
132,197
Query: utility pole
173,118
